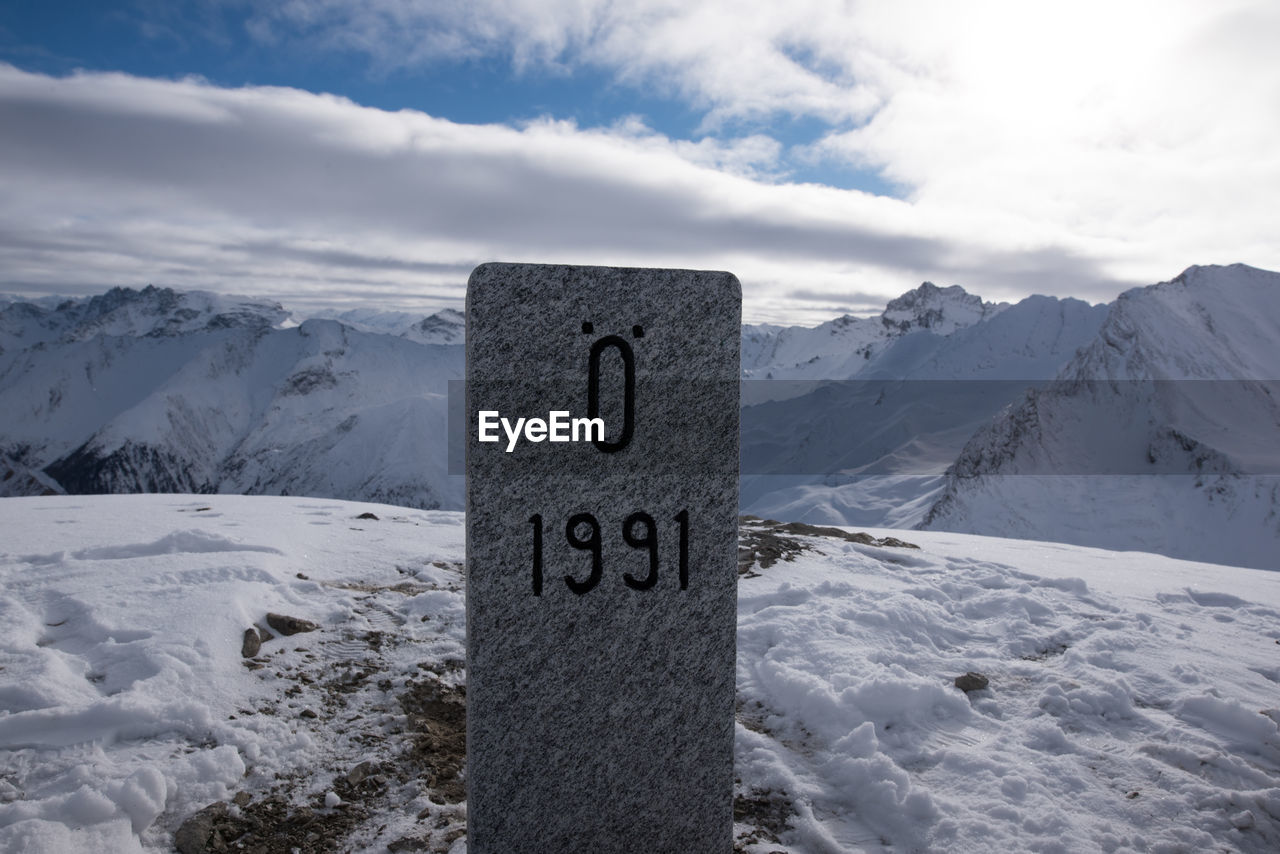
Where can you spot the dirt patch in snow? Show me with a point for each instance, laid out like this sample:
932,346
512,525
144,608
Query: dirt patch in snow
759,816
763,542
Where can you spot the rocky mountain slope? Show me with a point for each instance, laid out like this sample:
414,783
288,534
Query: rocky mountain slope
1162,435
160,391
864,439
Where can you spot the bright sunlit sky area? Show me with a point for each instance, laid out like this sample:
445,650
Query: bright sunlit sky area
831,154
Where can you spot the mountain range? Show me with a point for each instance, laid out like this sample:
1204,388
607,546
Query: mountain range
1149,423
161,391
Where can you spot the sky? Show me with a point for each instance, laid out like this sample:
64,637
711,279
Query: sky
832,154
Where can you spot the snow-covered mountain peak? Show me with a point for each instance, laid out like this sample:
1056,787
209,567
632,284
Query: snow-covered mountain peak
1209,322
1171,412
941,310
164,311
447,326
46,302
847,346
126,312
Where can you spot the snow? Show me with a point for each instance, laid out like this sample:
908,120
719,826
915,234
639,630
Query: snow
1131,706
123,693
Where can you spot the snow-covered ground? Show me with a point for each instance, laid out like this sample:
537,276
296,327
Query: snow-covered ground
1132,702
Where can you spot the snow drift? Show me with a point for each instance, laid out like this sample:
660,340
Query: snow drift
1130,702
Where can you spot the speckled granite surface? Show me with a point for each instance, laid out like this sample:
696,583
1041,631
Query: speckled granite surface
600,695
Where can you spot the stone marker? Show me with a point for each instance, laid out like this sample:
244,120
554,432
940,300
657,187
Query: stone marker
601,571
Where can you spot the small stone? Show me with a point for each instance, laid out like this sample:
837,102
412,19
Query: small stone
242,799
1135,793
971,681
357,774
307,713
303,576
286,625
251,644
369,516
194,833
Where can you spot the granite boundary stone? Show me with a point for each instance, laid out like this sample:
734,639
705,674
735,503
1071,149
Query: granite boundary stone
601,576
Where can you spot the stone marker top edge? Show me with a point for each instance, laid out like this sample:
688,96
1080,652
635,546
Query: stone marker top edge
573,301
493,271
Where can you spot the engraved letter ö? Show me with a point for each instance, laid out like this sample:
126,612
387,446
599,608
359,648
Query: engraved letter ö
629,390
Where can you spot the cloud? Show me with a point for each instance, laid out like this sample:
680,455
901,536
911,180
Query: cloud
732,61
113,179
865,301
1065,150
1136,133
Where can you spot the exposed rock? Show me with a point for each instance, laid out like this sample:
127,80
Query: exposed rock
268,825
251,644
358,773
858,537
761,541
438,718
368,516
764,547
971,681
766,812
194,836
290,625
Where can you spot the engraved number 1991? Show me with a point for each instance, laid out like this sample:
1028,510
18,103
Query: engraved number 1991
582,532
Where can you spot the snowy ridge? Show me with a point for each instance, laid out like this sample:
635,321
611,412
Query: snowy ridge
125,312
18,480
942,310
1179,383
446,326
871,450
842,348
153,391
1130,704
156,390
